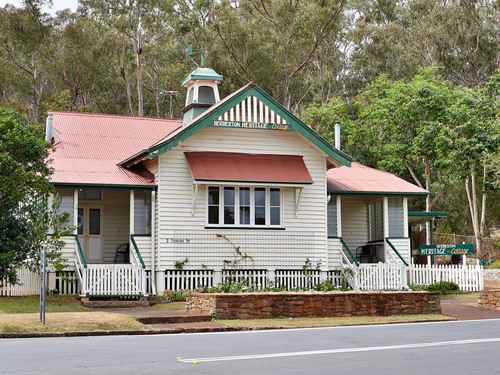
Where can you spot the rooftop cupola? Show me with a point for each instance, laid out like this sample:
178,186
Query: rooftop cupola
202,92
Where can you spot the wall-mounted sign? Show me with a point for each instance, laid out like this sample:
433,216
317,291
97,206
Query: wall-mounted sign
251,125
178,240
459,249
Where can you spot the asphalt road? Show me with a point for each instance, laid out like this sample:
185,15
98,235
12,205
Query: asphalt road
463,347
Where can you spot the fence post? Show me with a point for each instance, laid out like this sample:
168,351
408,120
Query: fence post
217,277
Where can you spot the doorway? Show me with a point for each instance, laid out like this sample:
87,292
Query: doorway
90,233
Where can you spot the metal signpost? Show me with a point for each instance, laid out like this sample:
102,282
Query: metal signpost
43,256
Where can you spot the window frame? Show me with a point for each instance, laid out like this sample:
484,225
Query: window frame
252,224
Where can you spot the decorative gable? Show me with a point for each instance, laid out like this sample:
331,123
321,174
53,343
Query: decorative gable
251,110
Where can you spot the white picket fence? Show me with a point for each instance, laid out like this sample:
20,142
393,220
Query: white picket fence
30,284
381,276
114,280
188,279
468,277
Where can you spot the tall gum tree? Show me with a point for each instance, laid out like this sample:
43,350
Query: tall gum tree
293,31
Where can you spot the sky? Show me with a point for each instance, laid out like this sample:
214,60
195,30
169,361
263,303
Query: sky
58,5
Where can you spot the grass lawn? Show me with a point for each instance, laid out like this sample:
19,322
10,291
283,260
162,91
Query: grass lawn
171,306
31,304
323,322
67,322
465,296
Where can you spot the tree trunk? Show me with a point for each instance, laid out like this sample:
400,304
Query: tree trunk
427,198
139,69
472,199
122,72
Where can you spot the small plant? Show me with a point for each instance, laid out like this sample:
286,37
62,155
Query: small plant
180,264
179,295
309,269
204,267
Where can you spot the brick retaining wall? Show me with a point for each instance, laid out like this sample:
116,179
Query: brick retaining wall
489,299
313,304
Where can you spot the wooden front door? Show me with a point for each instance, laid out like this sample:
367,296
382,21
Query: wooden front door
90,233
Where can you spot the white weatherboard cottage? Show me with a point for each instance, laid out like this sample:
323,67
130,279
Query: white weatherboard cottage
241,184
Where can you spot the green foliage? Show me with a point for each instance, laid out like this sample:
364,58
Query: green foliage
443,287
180,264
177,295
26,216
495,264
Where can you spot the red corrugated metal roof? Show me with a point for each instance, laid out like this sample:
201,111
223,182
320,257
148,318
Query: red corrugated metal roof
359,178
222,166
89,146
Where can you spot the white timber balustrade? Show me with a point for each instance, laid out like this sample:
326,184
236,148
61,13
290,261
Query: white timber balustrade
114,280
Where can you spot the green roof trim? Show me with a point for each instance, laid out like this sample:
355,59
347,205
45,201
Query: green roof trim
428,214
209,116
377,193
203,73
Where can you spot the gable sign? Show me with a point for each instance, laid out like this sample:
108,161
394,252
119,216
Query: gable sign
250,125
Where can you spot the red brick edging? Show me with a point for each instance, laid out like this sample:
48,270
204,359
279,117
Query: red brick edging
313,304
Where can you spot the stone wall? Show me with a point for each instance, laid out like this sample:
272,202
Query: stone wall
491,274
313,304
489,299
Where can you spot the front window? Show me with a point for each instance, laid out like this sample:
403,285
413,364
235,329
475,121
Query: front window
244,206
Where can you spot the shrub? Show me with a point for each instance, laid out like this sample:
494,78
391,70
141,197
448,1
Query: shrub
495,264
176,296
444,287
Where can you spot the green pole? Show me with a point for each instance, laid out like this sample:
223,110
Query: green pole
432,239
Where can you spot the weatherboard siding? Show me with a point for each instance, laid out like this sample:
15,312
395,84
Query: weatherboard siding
354,222
116,224
176,188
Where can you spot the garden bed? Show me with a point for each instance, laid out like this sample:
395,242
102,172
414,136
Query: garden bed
313,304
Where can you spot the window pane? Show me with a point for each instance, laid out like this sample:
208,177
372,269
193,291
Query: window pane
229,205
213,195
228,214
275,216
245,215
229,196
275,197
260,197
80,221
213,215
94,221
244,196
260,216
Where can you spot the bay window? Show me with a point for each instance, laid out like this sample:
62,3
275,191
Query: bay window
241,206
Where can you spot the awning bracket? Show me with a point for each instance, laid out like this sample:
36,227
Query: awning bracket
195,191
298,193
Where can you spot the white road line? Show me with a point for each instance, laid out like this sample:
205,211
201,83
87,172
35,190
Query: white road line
333,351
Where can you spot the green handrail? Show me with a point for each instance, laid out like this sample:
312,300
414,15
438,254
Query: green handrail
397,252
137,250
352,256
80,248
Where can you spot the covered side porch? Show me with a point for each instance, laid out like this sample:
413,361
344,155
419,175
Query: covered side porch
111,247
368,236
